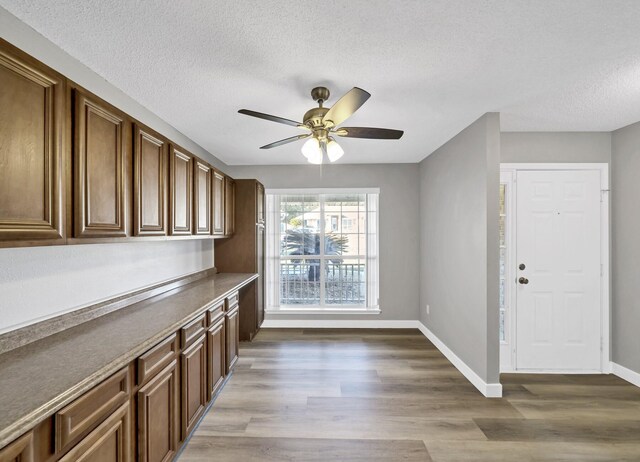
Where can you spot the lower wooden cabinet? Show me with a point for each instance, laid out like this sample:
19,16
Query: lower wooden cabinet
86,412
109,442
21,450
158,416
232,333
217,367
146,410
194,384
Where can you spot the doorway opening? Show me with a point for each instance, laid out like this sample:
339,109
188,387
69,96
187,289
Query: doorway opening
554,268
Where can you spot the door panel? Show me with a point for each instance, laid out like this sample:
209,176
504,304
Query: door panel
229,206
202,198
150,184
181,192
216,353
99,154
558,241
218,203
194,385
232,333
158,417
31,117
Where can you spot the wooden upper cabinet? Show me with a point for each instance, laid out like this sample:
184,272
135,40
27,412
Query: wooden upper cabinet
229,205
201,198
150,174
218,203
181,190
31,119
100,168
260,203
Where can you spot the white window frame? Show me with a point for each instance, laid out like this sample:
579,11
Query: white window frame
273,231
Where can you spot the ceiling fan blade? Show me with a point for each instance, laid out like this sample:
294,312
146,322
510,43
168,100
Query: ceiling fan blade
285,141
369,132
270,117
346,106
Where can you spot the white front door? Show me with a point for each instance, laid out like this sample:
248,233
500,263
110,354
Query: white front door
558,318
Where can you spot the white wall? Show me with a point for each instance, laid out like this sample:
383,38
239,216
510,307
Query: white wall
459,245
398,183
37,283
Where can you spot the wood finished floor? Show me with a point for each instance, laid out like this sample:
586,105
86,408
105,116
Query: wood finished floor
390,395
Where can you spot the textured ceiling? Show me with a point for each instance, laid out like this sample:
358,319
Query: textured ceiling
432,67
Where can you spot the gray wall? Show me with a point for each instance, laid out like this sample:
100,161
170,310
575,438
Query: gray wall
625,197
40,282
555,147
399,211
459,245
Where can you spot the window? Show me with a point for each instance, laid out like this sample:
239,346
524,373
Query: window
322,250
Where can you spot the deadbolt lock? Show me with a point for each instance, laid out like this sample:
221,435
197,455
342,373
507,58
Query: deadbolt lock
521,266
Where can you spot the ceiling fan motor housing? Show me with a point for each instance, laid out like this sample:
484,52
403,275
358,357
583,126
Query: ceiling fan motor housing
320,94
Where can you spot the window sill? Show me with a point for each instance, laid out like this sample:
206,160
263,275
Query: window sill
318,310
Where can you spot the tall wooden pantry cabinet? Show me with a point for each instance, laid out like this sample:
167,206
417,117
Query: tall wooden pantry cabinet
244,253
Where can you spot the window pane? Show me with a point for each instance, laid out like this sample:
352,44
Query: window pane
322,254
345,282
300,282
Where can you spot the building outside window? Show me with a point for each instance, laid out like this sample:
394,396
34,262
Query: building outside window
322,250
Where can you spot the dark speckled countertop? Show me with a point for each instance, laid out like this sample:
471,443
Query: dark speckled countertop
40,378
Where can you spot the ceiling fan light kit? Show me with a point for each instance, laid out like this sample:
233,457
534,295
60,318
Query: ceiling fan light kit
322,122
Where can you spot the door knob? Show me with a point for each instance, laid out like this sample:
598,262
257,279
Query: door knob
523,280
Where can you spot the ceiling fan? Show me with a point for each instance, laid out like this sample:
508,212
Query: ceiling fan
321,123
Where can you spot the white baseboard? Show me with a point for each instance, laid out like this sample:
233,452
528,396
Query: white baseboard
625,373
339,324
490,390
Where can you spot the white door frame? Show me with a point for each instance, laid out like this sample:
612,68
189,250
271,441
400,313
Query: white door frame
605,308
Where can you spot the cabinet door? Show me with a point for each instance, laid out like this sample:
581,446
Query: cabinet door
31,117
260,297
232,333
218,203
110,442
202,198
181,191
194,384
158,417
260,203
21,450
229,205
150,171
99,163
216,355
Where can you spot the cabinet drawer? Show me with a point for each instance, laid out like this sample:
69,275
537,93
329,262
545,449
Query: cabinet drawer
157,358
90,409
232,301
192,331
108,442
216,312
20,450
